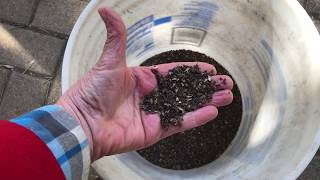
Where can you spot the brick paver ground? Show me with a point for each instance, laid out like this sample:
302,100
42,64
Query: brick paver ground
60,15
4,76
55,92
313,7
22,94
18,11
32,48
317,23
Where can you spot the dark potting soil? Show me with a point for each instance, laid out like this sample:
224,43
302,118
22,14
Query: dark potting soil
183,89
201,145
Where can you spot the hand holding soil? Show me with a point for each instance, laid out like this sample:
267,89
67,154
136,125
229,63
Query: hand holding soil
184,89
106,101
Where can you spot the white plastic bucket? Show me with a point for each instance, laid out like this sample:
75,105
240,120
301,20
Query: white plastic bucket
271,48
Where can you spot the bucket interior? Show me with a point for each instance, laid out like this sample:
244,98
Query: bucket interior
268,56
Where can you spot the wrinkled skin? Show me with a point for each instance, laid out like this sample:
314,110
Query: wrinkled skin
106,100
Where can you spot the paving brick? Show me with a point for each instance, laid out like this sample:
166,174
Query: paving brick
312,171
302,2
4,75
18,11
93,175
29,50
60,15
23,93
317,23
313,8
55,91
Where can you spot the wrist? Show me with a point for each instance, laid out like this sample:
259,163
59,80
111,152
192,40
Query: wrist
74,111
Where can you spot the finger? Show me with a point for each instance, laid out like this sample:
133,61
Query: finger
199,117
164,68
145,79
194,119
222,82
115,47
222,98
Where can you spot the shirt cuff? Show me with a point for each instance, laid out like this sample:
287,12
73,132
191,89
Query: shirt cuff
64,137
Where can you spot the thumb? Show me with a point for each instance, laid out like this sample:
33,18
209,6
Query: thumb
114,51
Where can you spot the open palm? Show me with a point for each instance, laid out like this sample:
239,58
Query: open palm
106,101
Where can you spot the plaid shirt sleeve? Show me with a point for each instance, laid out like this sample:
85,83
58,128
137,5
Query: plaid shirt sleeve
63,136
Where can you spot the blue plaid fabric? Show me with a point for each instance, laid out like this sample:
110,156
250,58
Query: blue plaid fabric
64,137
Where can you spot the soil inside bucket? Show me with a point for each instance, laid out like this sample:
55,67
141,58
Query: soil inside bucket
201,145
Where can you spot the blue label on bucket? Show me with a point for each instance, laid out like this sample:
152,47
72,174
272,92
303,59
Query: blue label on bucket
192,23
143,22
140,37
197,14
163,20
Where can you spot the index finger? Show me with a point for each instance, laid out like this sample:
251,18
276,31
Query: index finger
165,68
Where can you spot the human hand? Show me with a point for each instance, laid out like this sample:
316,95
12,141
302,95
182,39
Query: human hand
106,101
